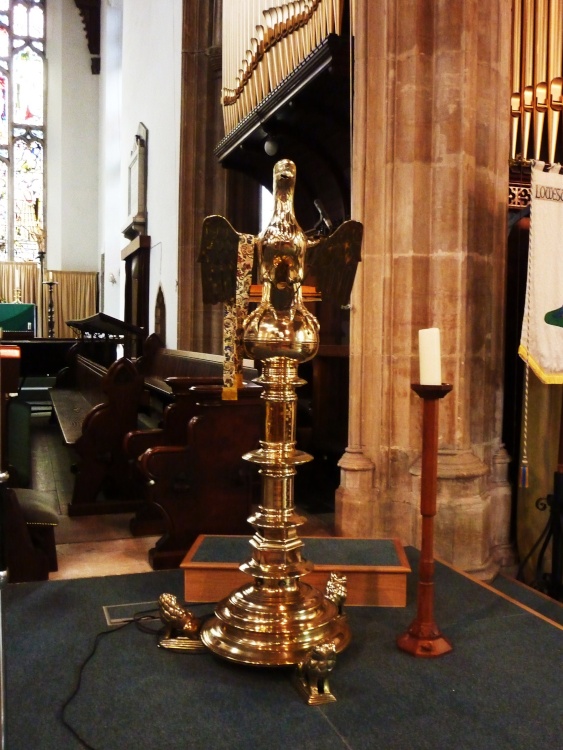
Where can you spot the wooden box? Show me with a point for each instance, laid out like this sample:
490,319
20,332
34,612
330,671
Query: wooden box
376,569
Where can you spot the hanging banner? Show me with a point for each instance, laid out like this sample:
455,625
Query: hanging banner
541,342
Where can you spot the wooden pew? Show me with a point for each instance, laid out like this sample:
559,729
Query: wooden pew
169,372
95,408
42,357
148,519
168,405
28,526
204,486
27,522
189,394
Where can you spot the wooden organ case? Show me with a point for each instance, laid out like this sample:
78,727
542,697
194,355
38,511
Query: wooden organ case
286,93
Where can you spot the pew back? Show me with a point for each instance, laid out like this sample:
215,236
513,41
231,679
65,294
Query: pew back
95,415
168,372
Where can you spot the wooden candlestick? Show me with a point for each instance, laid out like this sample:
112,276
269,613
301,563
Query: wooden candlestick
423,638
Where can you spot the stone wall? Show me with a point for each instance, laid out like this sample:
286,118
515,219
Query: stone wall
430,184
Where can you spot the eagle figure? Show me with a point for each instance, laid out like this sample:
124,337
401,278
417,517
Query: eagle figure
284,253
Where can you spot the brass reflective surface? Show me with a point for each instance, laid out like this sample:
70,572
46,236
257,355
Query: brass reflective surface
181,627
277,619
311,676
281,325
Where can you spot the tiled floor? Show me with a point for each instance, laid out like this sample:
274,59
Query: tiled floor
99,545
103,558
88,545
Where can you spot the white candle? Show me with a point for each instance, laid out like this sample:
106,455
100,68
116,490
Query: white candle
429,353
17,278
50,276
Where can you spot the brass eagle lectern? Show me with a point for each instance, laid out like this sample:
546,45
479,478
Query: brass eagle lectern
277,618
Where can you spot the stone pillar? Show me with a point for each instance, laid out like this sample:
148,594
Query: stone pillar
202,180
430,182
205,186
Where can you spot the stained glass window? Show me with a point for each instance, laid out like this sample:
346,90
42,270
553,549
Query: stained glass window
22,128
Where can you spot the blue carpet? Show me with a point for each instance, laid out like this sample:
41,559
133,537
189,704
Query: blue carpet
500,689
537,601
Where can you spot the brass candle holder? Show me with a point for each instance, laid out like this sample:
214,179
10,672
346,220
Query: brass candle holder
51,309
423,637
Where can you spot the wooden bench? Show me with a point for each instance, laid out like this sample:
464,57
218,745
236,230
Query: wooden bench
169,372
28,526
175,380
173,432
95,408
76,391
204,486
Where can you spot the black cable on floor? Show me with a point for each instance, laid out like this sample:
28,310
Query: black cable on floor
140,621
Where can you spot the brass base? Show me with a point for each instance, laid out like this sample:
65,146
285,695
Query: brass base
272,627
182,644
277,620
312,699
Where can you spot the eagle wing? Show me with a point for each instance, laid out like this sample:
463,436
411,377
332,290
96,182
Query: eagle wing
218,257
334,259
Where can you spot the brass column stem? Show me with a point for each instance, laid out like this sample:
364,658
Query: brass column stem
277,619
